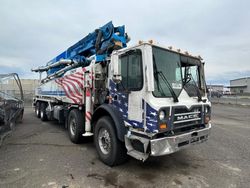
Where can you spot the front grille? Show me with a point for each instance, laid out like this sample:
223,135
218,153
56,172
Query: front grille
187,118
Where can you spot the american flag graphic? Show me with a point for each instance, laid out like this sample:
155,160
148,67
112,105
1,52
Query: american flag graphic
122,107
72,85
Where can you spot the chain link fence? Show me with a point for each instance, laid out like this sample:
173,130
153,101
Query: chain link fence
232,99
27,95
28,87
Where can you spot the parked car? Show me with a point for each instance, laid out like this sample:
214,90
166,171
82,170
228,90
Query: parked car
227,93
217,94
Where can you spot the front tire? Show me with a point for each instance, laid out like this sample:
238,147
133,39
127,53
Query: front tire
75,125
111,151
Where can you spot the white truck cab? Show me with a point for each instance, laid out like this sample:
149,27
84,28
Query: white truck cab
161,95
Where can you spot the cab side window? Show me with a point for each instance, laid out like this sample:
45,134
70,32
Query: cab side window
131,71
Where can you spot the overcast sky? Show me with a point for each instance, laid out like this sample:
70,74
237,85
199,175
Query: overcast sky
33,32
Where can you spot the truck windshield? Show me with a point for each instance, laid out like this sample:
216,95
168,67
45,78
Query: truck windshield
191,80
166,65
173,72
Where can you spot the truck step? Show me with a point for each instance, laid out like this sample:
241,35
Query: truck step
138,155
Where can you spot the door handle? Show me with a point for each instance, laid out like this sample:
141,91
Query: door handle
115,97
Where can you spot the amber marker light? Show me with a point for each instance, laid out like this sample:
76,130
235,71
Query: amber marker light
151,41
163,126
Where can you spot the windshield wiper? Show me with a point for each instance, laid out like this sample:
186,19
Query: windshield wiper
195,86
169,86
198,92
156,72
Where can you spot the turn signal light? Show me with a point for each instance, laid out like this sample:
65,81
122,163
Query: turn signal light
163,126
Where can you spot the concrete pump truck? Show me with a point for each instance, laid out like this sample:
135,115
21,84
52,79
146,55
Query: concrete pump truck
144,100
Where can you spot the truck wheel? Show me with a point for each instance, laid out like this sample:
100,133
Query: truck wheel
75,125
43,114
37,110
110,150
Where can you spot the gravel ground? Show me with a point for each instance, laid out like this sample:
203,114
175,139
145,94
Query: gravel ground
39,154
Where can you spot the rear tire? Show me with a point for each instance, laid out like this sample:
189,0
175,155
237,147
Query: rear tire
43,114
76,125
111,151
37,110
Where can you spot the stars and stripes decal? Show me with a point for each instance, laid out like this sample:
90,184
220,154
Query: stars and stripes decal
151,118
72,85
88,116
121,104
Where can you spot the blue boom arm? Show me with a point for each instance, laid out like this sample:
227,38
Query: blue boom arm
100,43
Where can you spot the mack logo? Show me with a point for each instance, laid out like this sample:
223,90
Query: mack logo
186,117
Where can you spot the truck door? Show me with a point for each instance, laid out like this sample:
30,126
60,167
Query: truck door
130,90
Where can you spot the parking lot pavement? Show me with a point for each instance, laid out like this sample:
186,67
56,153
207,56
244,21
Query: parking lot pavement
39,154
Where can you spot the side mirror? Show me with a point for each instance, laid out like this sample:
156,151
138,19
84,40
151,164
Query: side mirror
116,64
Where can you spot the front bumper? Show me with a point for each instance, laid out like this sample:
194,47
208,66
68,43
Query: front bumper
167,145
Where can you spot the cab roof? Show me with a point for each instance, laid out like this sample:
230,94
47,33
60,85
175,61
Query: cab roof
170,48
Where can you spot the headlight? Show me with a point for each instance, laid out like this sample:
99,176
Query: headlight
162,115
207,114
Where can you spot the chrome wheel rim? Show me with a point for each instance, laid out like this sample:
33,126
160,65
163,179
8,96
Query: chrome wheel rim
72,126
41,114
37,112
104,141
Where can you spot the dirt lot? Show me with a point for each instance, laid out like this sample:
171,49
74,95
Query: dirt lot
39,154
